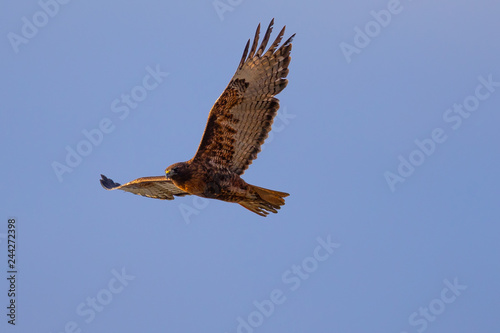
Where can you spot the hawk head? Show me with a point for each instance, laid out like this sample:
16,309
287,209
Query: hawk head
178,172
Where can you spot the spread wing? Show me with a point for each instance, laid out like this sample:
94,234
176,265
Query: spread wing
152,187
241,118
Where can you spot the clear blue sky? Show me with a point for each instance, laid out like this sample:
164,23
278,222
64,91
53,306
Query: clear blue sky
387,140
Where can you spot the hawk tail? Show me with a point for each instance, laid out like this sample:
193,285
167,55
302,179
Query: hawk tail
267,201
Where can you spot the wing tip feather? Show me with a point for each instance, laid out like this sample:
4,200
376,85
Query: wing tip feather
265,40
244,56
108,183
256,50
255,42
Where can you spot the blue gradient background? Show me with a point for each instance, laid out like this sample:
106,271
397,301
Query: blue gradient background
349,123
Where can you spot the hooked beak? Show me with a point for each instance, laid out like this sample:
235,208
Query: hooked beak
169,174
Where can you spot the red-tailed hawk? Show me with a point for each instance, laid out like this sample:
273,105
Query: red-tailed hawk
237,126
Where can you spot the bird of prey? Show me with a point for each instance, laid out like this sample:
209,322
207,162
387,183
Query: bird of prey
237,126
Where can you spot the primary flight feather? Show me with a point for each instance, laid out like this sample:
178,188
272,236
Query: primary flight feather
237,126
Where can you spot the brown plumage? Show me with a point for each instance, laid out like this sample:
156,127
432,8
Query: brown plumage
237,126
